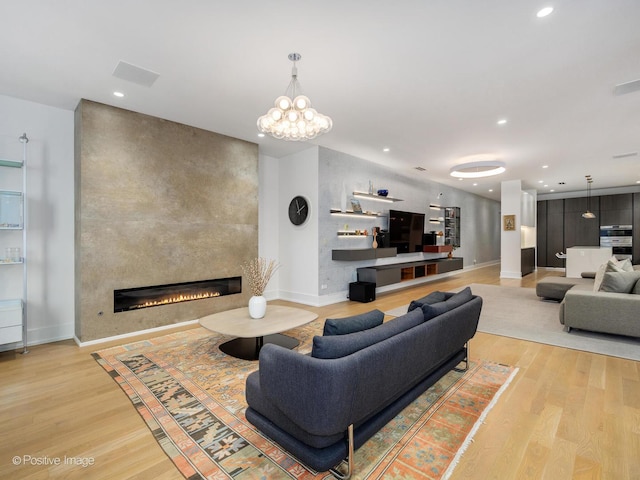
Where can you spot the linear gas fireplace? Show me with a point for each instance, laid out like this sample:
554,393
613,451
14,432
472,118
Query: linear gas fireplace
144,297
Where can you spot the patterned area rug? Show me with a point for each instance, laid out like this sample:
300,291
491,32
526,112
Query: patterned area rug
191,396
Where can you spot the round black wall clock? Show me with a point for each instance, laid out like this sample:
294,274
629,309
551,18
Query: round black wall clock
298,210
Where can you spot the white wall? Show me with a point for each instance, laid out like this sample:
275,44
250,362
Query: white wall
50,251
298,245
269,217
510,241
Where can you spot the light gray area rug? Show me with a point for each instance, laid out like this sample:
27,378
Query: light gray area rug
518,313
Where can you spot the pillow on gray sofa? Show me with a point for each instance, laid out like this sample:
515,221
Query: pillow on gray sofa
337,346
355,323
612,265
433,297
626,265
455,300
619,282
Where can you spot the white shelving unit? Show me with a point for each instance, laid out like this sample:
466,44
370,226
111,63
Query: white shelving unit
13,220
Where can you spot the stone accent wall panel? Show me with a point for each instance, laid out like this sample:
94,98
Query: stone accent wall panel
157,202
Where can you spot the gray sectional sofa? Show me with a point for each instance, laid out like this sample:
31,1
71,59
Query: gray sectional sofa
606,301
323,406
607,312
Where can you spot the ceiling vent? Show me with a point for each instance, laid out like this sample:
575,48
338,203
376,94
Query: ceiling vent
134,74
629,87
624,155
420,169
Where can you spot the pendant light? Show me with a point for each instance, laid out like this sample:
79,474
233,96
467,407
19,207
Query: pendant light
588,214
292,117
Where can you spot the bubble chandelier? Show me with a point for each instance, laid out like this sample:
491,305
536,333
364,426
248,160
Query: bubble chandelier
292,117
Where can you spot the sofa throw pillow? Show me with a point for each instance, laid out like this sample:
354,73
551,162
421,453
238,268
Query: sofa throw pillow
625,265
636,288
599,276
619,282
614,260
463,296
612,265
338,346
455,300
433,297
433,310
355,323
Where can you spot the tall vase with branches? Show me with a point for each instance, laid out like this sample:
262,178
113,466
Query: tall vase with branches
258,272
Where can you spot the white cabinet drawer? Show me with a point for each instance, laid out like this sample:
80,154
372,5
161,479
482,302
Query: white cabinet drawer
11,334
10,313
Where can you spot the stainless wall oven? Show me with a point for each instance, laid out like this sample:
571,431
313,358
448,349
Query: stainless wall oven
619,238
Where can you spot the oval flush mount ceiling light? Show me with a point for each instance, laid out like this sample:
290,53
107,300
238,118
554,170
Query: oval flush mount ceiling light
480,169
544,12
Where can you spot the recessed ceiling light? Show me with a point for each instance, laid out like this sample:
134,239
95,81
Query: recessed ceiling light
502,121
637,181
475,184
552,190
491,189
118,94
545,166
477,169
385,149
546,186
540,181
261,135
544,12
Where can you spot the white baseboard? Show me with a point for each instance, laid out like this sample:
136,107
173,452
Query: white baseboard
38,336
134,334
507,274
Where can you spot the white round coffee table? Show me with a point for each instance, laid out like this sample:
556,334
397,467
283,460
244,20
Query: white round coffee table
253,333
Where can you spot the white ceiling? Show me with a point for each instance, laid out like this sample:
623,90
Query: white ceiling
426,78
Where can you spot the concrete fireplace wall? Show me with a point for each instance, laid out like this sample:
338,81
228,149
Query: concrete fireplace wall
157,202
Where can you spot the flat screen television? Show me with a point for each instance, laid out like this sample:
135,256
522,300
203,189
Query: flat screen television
405,231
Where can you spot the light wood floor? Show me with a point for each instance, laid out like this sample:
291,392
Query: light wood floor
567,414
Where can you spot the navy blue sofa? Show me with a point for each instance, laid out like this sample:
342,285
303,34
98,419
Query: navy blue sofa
321,407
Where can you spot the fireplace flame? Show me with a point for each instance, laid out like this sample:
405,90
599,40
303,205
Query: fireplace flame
177,299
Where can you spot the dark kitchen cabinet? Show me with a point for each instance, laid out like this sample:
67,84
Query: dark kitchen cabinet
616,209
579,231
555,232
560,224
541,233
527,260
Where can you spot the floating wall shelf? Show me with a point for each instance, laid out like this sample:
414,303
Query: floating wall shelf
437,248
379,198
10,163
351,233
351,213
352,255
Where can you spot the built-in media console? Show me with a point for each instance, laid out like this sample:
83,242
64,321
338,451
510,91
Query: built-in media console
406,235
383,275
